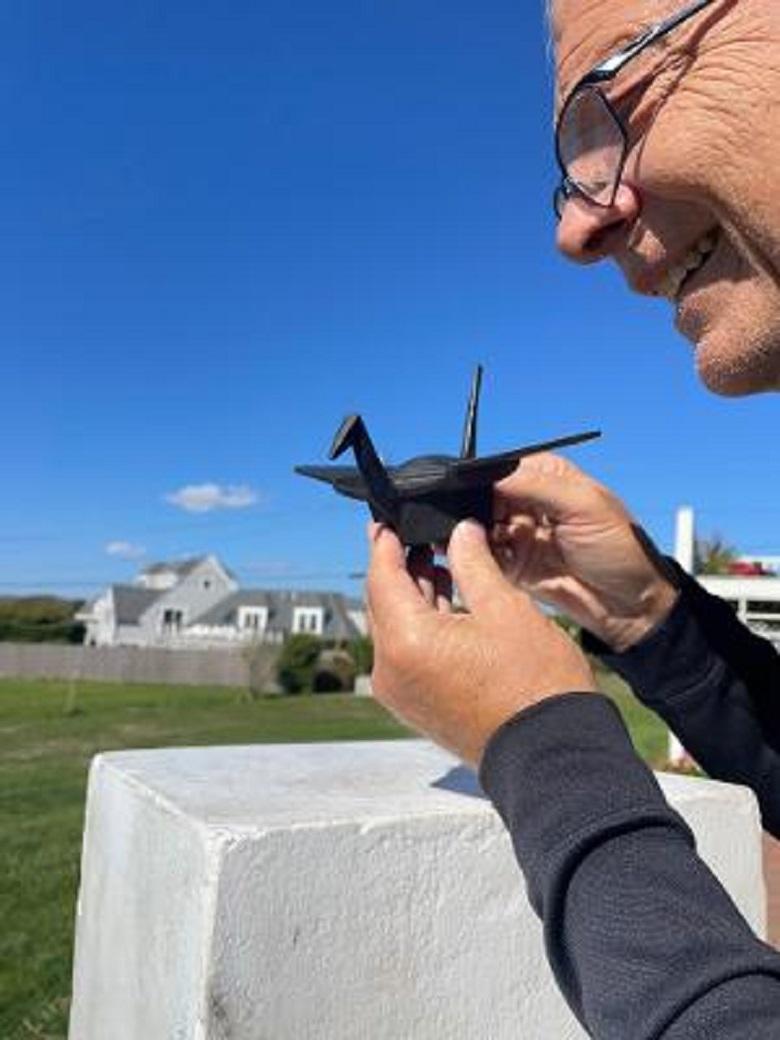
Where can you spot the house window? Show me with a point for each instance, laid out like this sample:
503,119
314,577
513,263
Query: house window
763,606
307,619
207,583
252,619
172,620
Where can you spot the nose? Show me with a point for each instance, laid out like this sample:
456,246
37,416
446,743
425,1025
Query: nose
587,232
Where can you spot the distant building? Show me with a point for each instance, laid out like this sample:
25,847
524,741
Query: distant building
198,603
752,586
756,599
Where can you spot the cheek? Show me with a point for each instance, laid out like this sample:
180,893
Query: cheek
723,163
682,155
695,161
711,135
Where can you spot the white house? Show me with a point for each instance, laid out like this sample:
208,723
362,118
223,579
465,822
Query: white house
755,598
198,603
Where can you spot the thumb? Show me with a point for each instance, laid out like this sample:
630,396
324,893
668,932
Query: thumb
478,576
390,590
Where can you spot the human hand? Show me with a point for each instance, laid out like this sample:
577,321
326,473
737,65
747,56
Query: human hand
566,539
453,676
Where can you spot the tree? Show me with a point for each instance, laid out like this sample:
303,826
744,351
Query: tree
297,663
361,651
713,555
40,619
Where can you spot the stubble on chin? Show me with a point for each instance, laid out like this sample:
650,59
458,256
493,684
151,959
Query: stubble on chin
740,354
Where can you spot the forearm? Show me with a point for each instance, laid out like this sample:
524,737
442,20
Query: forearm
639,933
717,686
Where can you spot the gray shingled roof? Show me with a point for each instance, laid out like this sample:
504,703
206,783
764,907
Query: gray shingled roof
130,601
280,603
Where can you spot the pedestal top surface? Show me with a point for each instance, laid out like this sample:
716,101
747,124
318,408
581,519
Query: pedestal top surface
271,785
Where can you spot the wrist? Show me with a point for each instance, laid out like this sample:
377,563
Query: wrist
621,633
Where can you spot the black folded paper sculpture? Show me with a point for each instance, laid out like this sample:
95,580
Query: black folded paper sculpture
423,499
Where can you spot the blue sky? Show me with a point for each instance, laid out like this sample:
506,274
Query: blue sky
224,226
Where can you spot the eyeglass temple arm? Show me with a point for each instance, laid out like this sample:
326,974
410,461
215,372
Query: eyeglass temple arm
610,68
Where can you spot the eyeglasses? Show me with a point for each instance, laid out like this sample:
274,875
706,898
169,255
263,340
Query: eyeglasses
591,142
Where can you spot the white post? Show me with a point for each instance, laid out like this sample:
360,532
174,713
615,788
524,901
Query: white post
685,538
684,552
328,891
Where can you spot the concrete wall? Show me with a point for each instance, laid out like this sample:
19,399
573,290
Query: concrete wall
126,664
327,892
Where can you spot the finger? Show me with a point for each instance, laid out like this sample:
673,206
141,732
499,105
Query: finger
419,563
520,527
510,556
549,485
477,574
391,592
548,462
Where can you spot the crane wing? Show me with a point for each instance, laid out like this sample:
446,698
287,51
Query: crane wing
344,479
491,468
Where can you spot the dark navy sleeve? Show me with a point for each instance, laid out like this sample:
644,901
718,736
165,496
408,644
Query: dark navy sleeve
717,685
644,942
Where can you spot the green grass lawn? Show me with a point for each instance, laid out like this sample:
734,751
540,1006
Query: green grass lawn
49,732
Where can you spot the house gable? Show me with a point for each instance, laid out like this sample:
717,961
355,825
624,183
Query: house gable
204,584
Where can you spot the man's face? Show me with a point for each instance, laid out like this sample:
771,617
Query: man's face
703,113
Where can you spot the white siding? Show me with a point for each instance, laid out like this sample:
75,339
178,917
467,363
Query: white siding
201,589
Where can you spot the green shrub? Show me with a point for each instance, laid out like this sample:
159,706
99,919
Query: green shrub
297,662
13,631
362,653
568,626
39,619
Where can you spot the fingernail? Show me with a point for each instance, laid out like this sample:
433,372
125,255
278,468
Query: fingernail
470,528
469,532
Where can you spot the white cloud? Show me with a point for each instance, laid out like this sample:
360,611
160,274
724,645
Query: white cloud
125,550
202,498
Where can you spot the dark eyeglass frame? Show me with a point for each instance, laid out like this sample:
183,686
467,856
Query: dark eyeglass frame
605,72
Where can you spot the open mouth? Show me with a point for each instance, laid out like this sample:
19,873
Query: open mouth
677,277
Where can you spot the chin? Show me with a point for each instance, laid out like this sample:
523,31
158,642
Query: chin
737,369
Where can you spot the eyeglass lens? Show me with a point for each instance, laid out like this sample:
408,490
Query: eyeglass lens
591,146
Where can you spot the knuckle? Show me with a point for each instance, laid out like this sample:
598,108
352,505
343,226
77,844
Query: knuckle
401,649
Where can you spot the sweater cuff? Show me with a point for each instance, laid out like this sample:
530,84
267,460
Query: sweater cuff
564,775
671,660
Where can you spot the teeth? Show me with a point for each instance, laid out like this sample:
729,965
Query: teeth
672,281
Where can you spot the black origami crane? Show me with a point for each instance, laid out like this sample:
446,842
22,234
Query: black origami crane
423,499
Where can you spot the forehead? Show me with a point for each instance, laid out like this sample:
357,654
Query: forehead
585,32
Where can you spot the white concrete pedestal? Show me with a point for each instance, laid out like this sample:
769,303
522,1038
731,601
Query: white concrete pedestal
357,891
